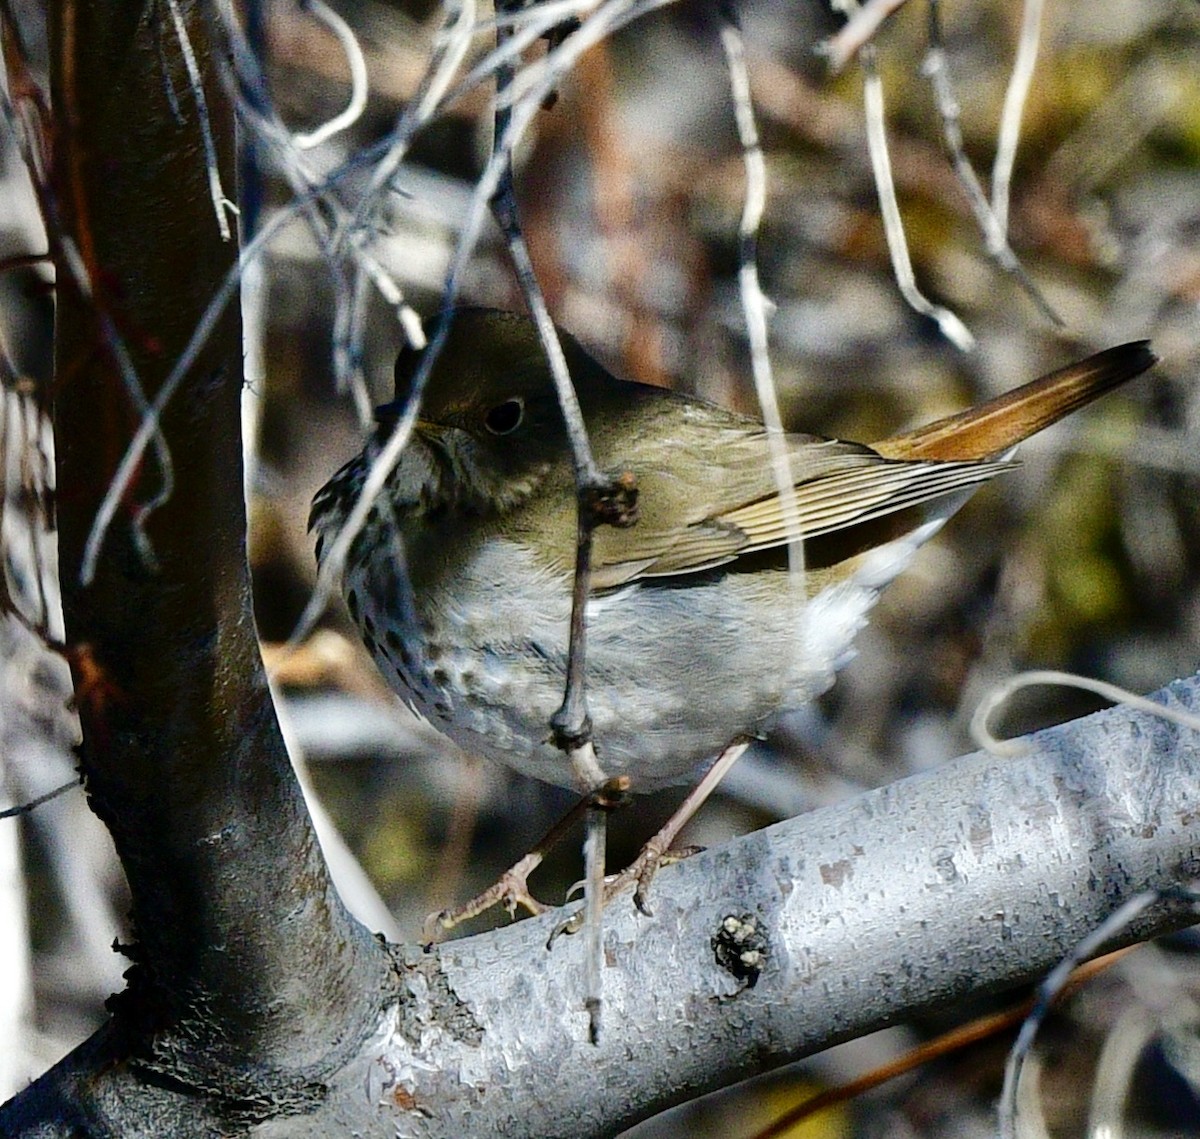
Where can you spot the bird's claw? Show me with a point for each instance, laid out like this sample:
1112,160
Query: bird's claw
510,890
639,873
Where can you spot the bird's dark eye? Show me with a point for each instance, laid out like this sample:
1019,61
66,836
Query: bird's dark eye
506,417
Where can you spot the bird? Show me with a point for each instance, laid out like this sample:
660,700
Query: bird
460,580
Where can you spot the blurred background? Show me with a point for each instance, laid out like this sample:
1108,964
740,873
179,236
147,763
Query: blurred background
631,189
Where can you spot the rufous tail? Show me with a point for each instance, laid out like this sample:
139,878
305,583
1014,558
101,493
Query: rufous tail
987,431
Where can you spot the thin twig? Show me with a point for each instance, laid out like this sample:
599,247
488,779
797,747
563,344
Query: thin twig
754,304
951,327
955,1040
221,202
359,86
149,427
37,479
1009,132
587,474
526,26
265,126
936,68
1047,992
862,24
982,734
355,228
384,157
656,851
455,42
594,847
541,78
599,499
168,83
77,264
597,494
33,804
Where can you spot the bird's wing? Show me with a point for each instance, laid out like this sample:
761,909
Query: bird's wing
736,509
849,498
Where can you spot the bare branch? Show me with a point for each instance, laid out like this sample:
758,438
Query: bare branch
1107,931
951,327
33,804
755,306
862,24
221,203
358,78
1009,132
971,878
982,735
937,69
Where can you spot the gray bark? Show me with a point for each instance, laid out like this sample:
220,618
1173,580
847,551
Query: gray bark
971,878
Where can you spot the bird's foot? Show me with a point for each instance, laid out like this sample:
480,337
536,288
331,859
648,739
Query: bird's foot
639,874
511,890
658,851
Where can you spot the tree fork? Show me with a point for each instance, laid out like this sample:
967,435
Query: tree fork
248,971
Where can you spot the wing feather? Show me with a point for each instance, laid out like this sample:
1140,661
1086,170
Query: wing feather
733,508
823,505
858,496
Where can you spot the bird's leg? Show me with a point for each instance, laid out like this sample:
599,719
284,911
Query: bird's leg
658,850
512,887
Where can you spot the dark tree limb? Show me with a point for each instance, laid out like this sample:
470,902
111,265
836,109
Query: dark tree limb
249,980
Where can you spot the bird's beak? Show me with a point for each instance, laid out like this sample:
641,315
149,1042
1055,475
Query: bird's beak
431,432
435,436
387,415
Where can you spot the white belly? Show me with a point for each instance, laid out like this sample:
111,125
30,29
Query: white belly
674,671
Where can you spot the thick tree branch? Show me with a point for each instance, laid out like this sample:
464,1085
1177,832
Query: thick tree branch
974,877
970,878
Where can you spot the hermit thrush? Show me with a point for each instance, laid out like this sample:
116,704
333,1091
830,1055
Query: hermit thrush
461,580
